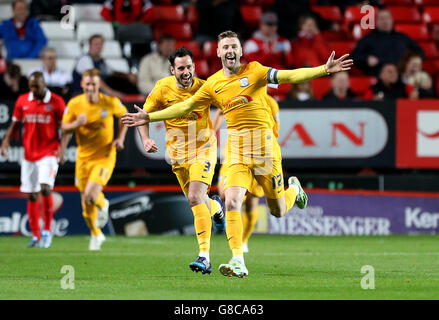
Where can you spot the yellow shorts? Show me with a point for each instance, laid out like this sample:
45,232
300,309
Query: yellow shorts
202,170
255,188
96,170
245,175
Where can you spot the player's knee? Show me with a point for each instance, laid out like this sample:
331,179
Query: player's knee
32,196
194,199
233,204
277,211
45,190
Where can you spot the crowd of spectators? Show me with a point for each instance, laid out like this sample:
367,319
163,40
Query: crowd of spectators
392,57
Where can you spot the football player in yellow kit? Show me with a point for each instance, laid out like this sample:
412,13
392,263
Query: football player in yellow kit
251,201
239,91
191,145
90,116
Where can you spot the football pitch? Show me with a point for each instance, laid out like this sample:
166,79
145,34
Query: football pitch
280,268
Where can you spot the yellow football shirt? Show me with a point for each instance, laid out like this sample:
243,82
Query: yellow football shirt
188,136
95,138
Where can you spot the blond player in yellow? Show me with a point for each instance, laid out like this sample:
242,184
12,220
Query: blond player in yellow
239,91
251,201
91,115
191,146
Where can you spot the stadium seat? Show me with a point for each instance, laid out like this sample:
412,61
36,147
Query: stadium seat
426,2
66,48
179,30
352,15
281,92
120,65
53,31
431,14
202,68
405,14
87,28
358,32
5,11
415,31
251,15
331,13
397,2
360,84
169,13
194,46
429,48
192,17
214,66
209,50
66,64
88,12
431,66
111,49
342,47
27,65
320,86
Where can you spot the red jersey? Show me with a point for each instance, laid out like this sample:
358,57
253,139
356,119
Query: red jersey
41,120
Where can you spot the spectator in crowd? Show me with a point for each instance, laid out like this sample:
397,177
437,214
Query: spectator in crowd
410,68
340,88
155,65
22,35
382,45
57,80
267,47
300,92
127,11
390,86
12,83
309,48
113,82
215,16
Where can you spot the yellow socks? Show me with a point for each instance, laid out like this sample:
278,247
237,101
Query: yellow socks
203,226
290,198
214,207
249,220
100,201
90,214
234,231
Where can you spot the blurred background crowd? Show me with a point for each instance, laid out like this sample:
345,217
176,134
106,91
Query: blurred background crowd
129,41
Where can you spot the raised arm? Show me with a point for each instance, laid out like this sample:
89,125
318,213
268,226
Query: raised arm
306,74
217,120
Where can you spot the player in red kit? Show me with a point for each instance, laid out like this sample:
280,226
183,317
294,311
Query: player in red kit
40,111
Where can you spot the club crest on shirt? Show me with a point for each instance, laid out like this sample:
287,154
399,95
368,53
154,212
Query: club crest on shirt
244,82
104,113
48,107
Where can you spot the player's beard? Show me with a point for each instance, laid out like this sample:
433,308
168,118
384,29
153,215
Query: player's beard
232,66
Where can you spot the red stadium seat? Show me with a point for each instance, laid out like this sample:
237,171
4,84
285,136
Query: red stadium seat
281,92
194,46
431,66
251,15
168,13
358,32
209,50
179,30
353,15
431,14
426,2
397,2
321,86
360,84
415,31
202,68
342,47
192,16
429,48
405,14
331,13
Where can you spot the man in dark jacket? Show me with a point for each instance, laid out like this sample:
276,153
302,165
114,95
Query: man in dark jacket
382,45
22,35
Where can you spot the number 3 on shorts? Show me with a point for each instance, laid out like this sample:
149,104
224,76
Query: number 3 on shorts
277,181
207,167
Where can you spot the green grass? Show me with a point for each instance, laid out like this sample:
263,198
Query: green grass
280,267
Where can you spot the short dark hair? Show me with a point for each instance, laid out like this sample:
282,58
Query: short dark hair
94,37
227,34
13,70
165,37
179,53
38,75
